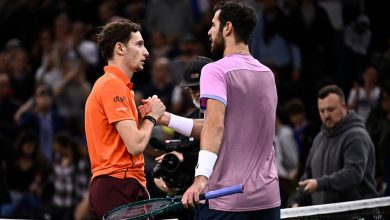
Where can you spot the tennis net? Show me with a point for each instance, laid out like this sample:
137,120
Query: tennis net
368,209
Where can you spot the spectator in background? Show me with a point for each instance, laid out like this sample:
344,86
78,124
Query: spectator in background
107,12
287,158
357,39
69,176
159,45
304,129
341,163
313,33
161,82
273,46
172,17
8,107
363,98
378,126
21,77
25,173
39,114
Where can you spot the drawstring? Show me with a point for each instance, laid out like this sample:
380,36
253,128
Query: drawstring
127,169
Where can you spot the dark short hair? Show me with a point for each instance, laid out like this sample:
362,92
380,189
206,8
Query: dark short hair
241,15
294,106
326,90
114,32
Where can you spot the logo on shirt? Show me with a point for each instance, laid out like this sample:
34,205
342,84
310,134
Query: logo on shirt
119,98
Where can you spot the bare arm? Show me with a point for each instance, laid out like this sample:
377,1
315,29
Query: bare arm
212,132
135,139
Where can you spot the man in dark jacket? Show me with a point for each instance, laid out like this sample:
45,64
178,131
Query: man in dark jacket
341,163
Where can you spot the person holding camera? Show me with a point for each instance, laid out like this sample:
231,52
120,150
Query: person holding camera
175,170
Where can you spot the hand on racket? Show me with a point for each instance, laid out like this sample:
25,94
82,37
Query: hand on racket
152,207
191,196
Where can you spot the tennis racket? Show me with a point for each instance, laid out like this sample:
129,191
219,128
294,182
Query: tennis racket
152,207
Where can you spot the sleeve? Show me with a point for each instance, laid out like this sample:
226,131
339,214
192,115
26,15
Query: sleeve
212,85
116,101
356,153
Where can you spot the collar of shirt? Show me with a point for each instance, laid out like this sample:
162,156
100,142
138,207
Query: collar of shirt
119,74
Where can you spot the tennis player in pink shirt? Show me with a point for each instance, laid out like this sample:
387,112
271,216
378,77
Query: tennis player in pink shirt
239,98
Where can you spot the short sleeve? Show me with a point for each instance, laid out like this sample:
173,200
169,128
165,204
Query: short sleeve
116,101
212,85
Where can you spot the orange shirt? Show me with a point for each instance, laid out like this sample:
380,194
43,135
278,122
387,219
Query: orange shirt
111,100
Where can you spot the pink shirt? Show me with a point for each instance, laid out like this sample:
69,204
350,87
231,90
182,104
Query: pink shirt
247,154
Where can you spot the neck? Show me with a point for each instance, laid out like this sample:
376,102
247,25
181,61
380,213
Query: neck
239,48
121,66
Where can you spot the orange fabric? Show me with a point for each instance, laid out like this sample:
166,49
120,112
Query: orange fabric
111,100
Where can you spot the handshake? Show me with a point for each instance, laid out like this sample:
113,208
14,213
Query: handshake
153,107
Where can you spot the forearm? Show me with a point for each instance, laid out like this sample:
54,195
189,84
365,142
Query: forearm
135,139
211,137
182,125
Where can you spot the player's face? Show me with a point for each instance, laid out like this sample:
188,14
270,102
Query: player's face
216,37
136,53
332,110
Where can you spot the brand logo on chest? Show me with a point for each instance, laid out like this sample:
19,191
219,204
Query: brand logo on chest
119,98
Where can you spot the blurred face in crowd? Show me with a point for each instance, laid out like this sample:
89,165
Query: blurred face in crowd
195,95
332,110
370,76
216,37
135,52
4,85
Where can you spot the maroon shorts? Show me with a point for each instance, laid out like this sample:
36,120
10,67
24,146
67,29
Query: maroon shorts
106,193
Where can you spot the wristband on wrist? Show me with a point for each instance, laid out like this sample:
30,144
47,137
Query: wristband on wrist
181,124
150,118
206,162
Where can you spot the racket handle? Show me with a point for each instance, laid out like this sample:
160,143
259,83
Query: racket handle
222,192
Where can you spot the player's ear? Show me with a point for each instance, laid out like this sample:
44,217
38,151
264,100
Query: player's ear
120,48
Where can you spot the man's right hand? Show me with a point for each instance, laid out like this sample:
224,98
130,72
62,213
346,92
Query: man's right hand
154,106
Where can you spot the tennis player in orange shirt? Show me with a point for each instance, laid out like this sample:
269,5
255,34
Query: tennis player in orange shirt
115,137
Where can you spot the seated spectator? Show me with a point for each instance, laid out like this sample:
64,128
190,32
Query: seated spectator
24,173
69,177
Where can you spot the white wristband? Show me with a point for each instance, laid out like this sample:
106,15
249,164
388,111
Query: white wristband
206,163
181,124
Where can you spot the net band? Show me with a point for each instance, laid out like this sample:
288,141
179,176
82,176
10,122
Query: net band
334,208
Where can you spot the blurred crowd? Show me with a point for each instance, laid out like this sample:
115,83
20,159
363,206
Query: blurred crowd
49,61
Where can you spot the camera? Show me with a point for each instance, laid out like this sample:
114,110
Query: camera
175,173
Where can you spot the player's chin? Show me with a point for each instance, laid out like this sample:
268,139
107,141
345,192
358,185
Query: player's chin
140,68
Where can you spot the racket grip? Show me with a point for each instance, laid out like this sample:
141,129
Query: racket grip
222,192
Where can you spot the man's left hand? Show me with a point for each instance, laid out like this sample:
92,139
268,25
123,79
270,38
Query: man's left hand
309,185
191,196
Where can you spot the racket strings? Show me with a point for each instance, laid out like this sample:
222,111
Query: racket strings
139,210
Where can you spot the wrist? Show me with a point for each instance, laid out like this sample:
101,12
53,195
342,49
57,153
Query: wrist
206,162
181,124
165,118
151,119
